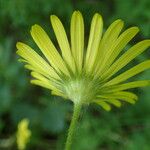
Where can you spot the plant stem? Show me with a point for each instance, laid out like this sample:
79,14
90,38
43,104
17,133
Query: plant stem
71,131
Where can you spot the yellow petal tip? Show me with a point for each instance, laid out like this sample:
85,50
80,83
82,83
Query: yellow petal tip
136,29
119,22
108,109
77,12
98,15
52,17
18,44
34,27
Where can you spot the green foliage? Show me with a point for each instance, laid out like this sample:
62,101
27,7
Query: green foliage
125,128
139,15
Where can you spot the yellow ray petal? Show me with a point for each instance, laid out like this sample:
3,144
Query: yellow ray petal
58,93
103,104
22,60
77,39
41,78
126,58
114,102
116,48
126,94
94,40
129,73
110,36
42,84
62,41
30,67
48,49
36,60
44,80
122,95
126,86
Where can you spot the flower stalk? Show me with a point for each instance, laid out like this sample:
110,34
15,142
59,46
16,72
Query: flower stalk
72,128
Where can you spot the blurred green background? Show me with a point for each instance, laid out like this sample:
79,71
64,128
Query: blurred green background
127,128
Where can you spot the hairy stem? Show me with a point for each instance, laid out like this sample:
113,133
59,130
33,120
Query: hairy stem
71,131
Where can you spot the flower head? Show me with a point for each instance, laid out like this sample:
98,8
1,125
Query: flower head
86,76
23,134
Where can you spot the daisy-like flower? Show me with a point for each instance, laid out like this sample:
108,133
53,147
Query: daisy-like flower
86,74
23,134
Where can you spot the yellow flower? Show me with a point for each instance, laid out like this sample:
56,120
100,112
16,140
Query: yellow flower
23,134
86,76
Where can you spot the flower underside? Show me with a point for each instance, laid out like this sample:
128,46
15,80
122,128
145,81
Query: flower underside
86,76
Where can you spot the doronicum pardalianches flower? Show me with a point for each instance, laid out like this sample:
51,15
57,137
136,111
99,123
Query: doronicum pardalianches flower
86,74
23,134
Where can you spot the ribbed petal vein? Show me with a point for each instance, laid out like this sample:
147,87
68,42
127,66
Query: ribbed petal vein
77,39
48,49
94,40
63,41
